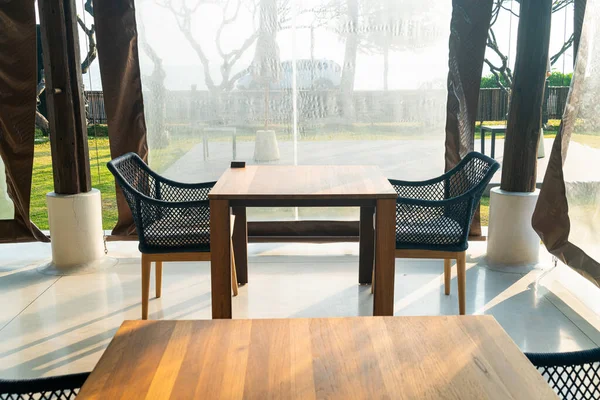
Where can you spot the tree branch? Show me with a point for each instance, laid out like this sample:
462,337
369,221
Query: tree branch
566,46
92,52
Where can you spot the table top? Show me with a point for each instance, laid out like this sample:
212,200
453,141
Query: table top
305,182
496,128
469,357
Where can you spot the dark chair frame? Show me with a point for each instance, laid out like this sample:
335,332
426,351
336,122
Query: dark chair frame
60,387
154,202
572,375
426,210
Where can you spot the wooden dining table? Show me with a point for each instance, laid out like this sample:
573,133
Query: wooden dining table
453,357
303,186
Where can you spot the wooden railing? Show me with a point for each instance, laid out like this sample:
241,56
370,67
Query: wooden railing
368,106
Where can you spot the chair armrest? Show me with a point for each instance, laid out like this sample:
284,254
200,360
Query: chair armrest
172,191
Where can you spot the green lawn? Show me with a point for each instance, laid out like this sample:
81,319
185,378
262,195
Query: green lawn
102,179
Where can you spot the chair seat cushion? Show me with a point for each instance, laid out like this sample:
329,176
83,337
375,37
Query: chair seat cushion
437,232
167,235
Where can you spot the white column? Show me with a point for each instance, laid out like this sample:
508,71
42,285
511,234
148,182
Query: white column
511,239
76,233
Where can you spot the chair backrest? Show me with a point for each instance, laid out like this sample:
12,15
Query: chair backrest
133,175
64,387
471,174
573,375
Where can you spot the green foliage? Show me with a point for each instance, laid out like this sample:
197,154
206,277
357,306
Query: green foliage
556,79
560,79
489,82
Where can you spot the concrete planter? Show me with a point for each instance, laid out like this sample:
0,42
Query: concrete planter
511,239
266,147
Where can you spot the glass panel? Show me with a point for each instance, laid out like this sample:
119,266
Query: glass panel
582,162
381,100
214,87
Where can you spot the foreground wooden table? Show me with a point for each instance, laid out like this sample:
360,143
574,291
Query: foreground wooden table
335,358
303,186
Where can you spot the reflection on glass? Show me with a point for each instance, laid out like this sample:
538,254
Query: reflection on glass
331,82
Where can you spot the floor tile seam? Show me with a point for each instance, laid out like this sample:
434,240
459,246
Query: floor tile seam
30,303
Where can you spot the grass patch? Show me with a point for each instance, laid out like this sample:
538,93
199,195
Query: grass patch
484,212
102,179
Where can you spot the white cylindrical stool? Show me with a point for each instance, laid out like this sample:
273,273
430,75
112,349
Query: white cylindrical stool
7,208
511,239
76,233
541,152
265,147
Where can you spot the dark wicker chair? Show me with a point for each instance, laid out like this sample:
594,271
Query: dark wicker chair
172,219
574,375
433,217
65,387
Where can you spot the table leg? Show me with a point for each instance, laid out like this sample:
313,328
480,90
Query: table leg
220,263
482,134
493,151
366,246
385,245
240,244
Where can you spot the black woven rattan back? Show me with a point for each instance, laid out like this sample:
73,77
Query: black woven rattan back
169,216
65,387
436,214
573,375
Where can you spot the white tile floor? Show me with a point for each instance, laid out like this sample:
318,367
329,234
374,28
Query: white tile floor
52,325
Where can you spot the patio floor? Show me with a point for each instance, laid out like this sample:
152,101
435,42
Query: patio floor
52,325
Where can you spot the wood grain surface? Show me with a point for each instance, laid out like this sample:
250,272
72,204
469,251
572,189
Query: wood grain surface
306,185
335,358
302,182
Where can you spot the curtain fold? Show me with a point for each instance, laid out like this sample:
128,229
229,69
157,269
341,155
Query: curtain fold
18,81
566,216
117,41
468,35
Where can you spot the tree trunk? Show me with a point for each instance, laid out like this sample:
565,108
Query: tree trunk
41,123
577,25
349,70
64,96
519,170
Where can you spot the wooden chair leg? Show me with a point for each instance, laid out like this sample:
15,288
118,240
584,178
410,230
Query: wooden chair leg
158,278
447,275
146,266
461,268
234,280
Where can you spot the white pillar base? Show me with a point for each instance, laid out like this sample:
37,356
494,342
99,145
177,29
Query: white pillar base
265,147
541,153
76,234
511,239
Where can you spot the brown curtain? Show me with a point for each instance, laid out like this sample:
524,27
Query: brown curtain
117,40
18,81
551,216
468,34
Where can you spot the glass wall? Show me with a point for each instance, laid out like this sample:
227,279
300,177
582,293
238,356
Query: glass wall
295,82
